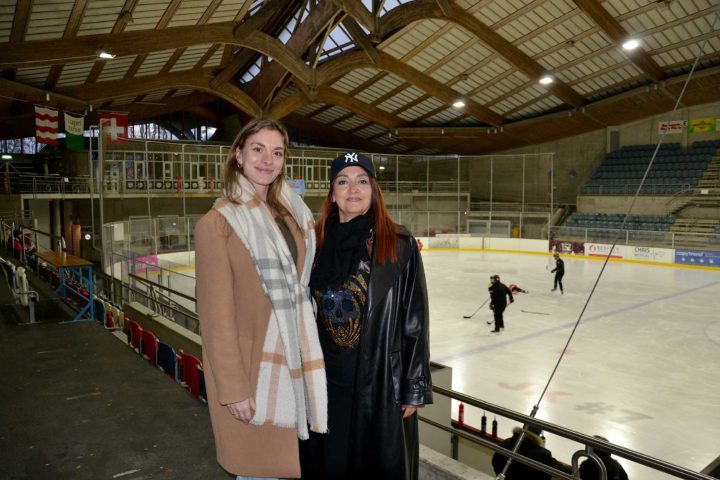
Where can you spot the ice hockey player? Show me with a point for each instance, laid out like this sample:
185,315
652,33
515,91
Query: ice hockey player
498,301
559,272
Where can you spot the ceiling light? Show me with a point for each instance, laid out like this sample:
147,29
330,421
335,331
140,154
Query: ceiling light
382,167
458,104
105,54
546,79
631,44
6,157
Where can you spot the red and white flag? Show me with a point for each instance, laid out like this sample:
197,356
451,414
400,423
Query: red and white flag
114,127
46,125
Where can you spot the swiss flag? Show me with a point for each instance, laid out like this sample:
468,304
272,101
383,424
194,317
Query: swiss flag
46,125
114,127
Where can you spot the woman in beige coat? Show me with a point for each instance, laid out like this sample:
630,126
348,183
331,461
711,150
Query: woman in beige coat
264,370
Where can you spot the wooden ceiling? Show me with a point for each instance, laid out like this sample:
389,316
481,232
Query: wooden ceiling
380,75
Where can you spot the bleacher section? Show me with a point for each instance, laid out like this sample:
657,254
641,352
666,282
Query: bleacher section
615,220
674,170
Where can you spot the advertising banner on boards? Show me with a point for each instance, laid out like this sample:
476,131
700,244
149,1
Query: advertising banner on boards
697,257
602,250
649,254
565,247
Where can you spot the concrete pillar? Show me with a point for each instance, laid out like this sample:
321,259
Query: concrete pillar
56,224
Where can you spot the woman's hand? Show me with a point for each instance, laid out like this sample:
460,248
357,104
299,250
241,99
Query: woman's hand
243,411
408,410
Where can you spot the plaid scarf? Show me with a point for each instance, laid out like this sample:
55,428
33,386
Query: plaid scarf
291,391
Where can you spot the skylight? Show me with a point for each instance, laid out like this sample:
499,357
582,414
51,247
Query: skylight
289,29
386,6
255,6
390,4
251,72
337,42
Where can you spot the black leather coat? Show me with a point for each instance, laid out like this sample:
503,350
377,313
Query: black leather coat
393,368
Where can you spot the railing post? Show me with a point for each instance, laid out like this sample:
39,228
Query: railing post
454,446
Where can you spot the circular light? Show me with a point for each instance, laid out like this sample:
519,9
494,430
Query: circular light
458,104
546,80
88,236
631,44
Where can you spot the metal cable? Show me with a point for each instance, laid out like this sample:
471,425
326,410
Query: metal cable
536,407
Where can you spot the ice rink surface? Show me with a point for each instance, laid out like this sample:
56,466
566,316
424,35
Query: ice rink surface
643,368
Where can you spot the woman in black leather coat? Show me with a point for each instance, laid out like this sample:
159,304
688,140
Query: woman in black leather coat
369,286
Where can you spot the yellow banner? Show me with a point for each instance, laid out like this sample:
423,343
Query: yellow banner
702,125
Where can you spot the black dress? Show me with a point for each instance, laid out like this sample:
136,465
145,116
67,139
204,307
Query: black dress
340,313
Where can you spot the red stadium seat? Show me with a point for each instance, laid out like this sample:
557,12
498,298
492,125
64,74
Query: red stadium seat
191,370
134,334
148,346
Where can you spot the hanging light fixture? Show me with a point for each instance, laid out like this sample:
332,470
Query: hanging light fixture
102,53
631,44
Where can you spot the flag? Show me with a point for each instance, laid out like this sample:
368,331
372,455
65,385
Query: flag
46,125
114,127
74,127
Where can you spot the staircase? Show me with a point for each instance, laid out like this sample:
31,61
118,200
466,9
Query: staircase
711,177
694,225
707,191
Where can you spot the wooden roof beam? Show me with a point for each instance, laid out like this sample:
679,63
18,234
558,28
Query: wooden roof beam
36,95
321,132
359,13
333,97
407,13
334,69
85,47
255,23
306,34
619,35
198,79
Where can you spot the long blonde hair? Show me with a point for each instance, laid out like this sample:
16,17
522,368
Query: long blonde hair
232,169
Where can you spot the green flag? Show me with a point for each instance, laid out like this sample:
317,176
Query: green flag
74,127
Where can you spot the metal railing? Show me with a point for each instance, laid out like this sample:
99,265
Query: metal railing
631,189
590,443
48,184
159,298
668,239
162,298
14,217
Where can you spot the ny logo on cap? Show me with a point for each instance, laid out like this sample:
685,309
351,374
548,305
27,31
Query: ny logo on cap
351,157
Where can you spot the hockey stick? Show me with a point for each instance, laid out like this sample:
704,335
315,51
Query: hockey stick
490,322
478,309
536,313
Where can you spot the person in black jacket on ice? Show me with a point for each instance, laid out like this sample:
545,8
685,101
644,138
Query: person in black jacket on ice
498,302
559,272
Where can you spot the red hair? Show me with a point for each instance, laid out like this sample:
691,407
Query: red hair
385,229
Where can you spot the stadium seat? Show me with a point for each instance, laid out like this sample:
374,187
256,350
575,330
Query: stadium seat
190,370
167,360
149,346
134,334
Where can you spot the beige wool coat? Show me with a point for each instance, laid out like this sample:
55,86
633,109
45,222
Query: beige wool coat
234,314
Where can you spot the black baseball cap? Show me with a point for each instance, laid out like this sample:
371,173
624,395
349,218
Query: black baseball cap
350,159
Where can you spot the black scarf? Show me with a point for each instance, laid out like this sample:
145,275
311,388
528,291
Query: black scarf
345,245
